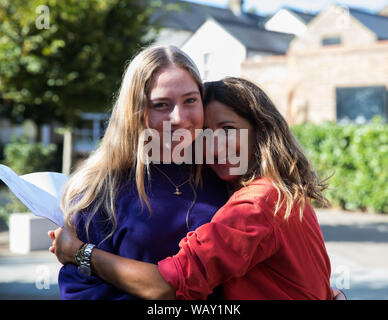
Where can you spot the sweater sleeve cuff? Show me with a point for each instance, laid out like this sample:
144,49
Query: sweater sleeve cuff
171,271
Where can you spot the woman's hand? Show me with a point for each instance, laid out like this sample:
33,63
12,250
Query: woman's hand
338,294
65,244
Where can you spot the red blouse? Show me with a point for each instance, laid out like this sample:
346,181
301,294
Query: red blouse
252,253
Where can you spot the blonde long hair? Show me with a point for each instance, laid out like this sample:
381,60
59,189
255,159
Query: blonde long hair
95,182
277,154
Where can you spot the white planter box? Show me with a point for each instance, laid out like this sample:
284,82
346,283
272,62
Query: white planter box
28,232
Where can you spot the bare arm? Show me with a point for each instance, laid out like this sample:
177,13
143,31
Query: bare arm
141,279
136,277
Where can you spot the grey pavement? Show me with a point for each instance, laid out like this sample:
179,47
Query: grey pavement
357,244
27,276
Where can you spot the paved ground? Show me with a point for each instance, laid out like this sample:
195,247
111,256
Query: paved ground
28,276
357,245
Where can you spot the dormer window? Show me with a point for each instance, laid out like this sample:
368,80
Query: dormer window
329,41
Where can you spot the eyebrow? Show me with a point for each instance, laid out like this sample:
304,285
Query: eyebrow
190,93
183,95
225,122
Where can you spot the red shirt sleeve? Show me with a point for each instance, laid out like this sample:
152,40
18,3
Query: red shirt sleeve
239,236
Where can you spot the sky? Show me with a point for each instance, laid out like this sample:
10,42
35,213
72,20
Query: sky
270,6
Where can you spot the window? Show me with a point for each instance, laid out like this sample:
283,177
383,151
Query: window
360,104
328,41
89,131
206,65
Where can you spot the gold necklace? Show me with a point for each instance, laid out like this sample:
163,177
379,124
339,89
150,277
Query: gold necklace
177,191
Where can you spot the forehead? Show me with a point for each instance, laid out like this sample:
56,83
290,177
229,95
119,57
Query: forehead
172,80
216,112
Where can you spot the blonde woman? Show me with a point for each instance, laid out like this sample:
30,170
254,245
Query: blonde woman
265,243
116,201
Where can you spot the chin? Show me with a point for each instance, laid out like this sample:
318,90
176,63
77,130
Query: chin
222,171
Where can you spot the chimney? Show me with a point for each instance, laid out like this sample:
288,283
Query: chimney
236,6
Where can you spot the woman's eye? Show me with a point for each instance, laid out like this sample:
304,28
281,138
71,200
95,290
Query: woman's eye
226,128
191,100
160,105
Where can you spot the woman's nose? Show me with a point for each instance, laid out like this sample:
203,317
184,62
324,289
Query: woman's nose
219,150
177,116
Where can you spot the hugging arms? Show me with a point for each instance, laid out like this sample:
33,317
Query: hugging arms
255,247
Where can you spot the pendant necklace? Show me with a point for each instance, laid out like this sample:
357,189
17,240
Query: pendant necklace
177,191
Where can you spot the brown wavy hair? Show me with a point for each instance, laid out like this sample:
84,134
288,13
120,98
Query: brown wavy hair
277,155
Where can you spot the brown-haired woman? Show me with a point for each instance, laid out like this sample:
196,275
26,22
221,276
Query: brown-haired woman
264,243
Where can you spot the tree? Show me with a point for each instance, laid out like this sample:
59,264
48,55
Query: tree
59,58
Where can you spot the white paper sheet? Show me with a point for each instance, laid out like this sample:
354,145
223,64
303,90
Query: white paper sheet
41,192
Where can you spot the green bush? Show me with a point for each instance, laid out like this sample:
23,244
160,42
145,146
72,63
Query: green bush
24,157
357,155
13,206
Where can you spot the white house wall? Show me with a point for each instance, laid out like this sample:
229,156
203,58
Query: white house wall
258,54
224,53
285,21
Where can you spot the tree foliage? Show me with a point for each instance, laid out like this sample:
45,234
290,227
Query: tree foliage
73,66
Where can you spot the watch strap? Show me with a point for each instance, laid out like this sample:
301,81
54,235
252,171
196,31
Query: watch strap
84,266
78,256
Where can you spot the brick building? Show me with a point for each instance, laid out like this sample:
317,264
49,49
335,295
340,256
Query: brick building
336,70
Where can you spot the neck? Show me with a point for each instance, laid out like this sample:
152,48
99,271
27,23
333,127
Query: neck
234,186
183,157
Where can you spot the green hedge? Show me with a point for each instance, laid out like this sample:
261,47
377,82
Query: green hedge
357,155
25,157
